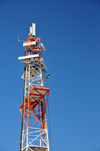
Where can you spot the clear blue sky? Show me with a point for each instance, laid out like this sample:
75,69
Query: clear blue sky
70,31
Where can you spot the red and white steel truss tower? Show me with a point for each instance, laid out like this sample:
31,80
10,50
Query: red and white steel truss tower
34,132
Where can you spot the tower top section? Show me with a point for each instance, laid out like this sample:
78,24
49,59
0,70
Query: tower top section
32,59
34,47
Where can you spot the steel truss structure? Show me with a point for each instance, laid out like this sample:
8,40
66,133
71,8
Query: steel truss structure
34,132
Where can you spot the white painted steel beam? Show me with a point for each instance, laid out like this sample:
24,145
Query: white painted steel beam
27,57
29,43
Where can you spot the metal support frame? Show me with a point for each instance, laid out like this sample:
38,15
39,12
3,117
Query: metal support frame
34,133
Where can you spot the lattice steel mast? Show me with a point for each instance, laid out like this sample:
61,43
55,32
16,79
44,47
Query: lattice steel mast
34,132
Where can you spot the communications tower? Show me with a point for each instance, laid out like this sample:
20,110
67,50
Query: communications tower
34,132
